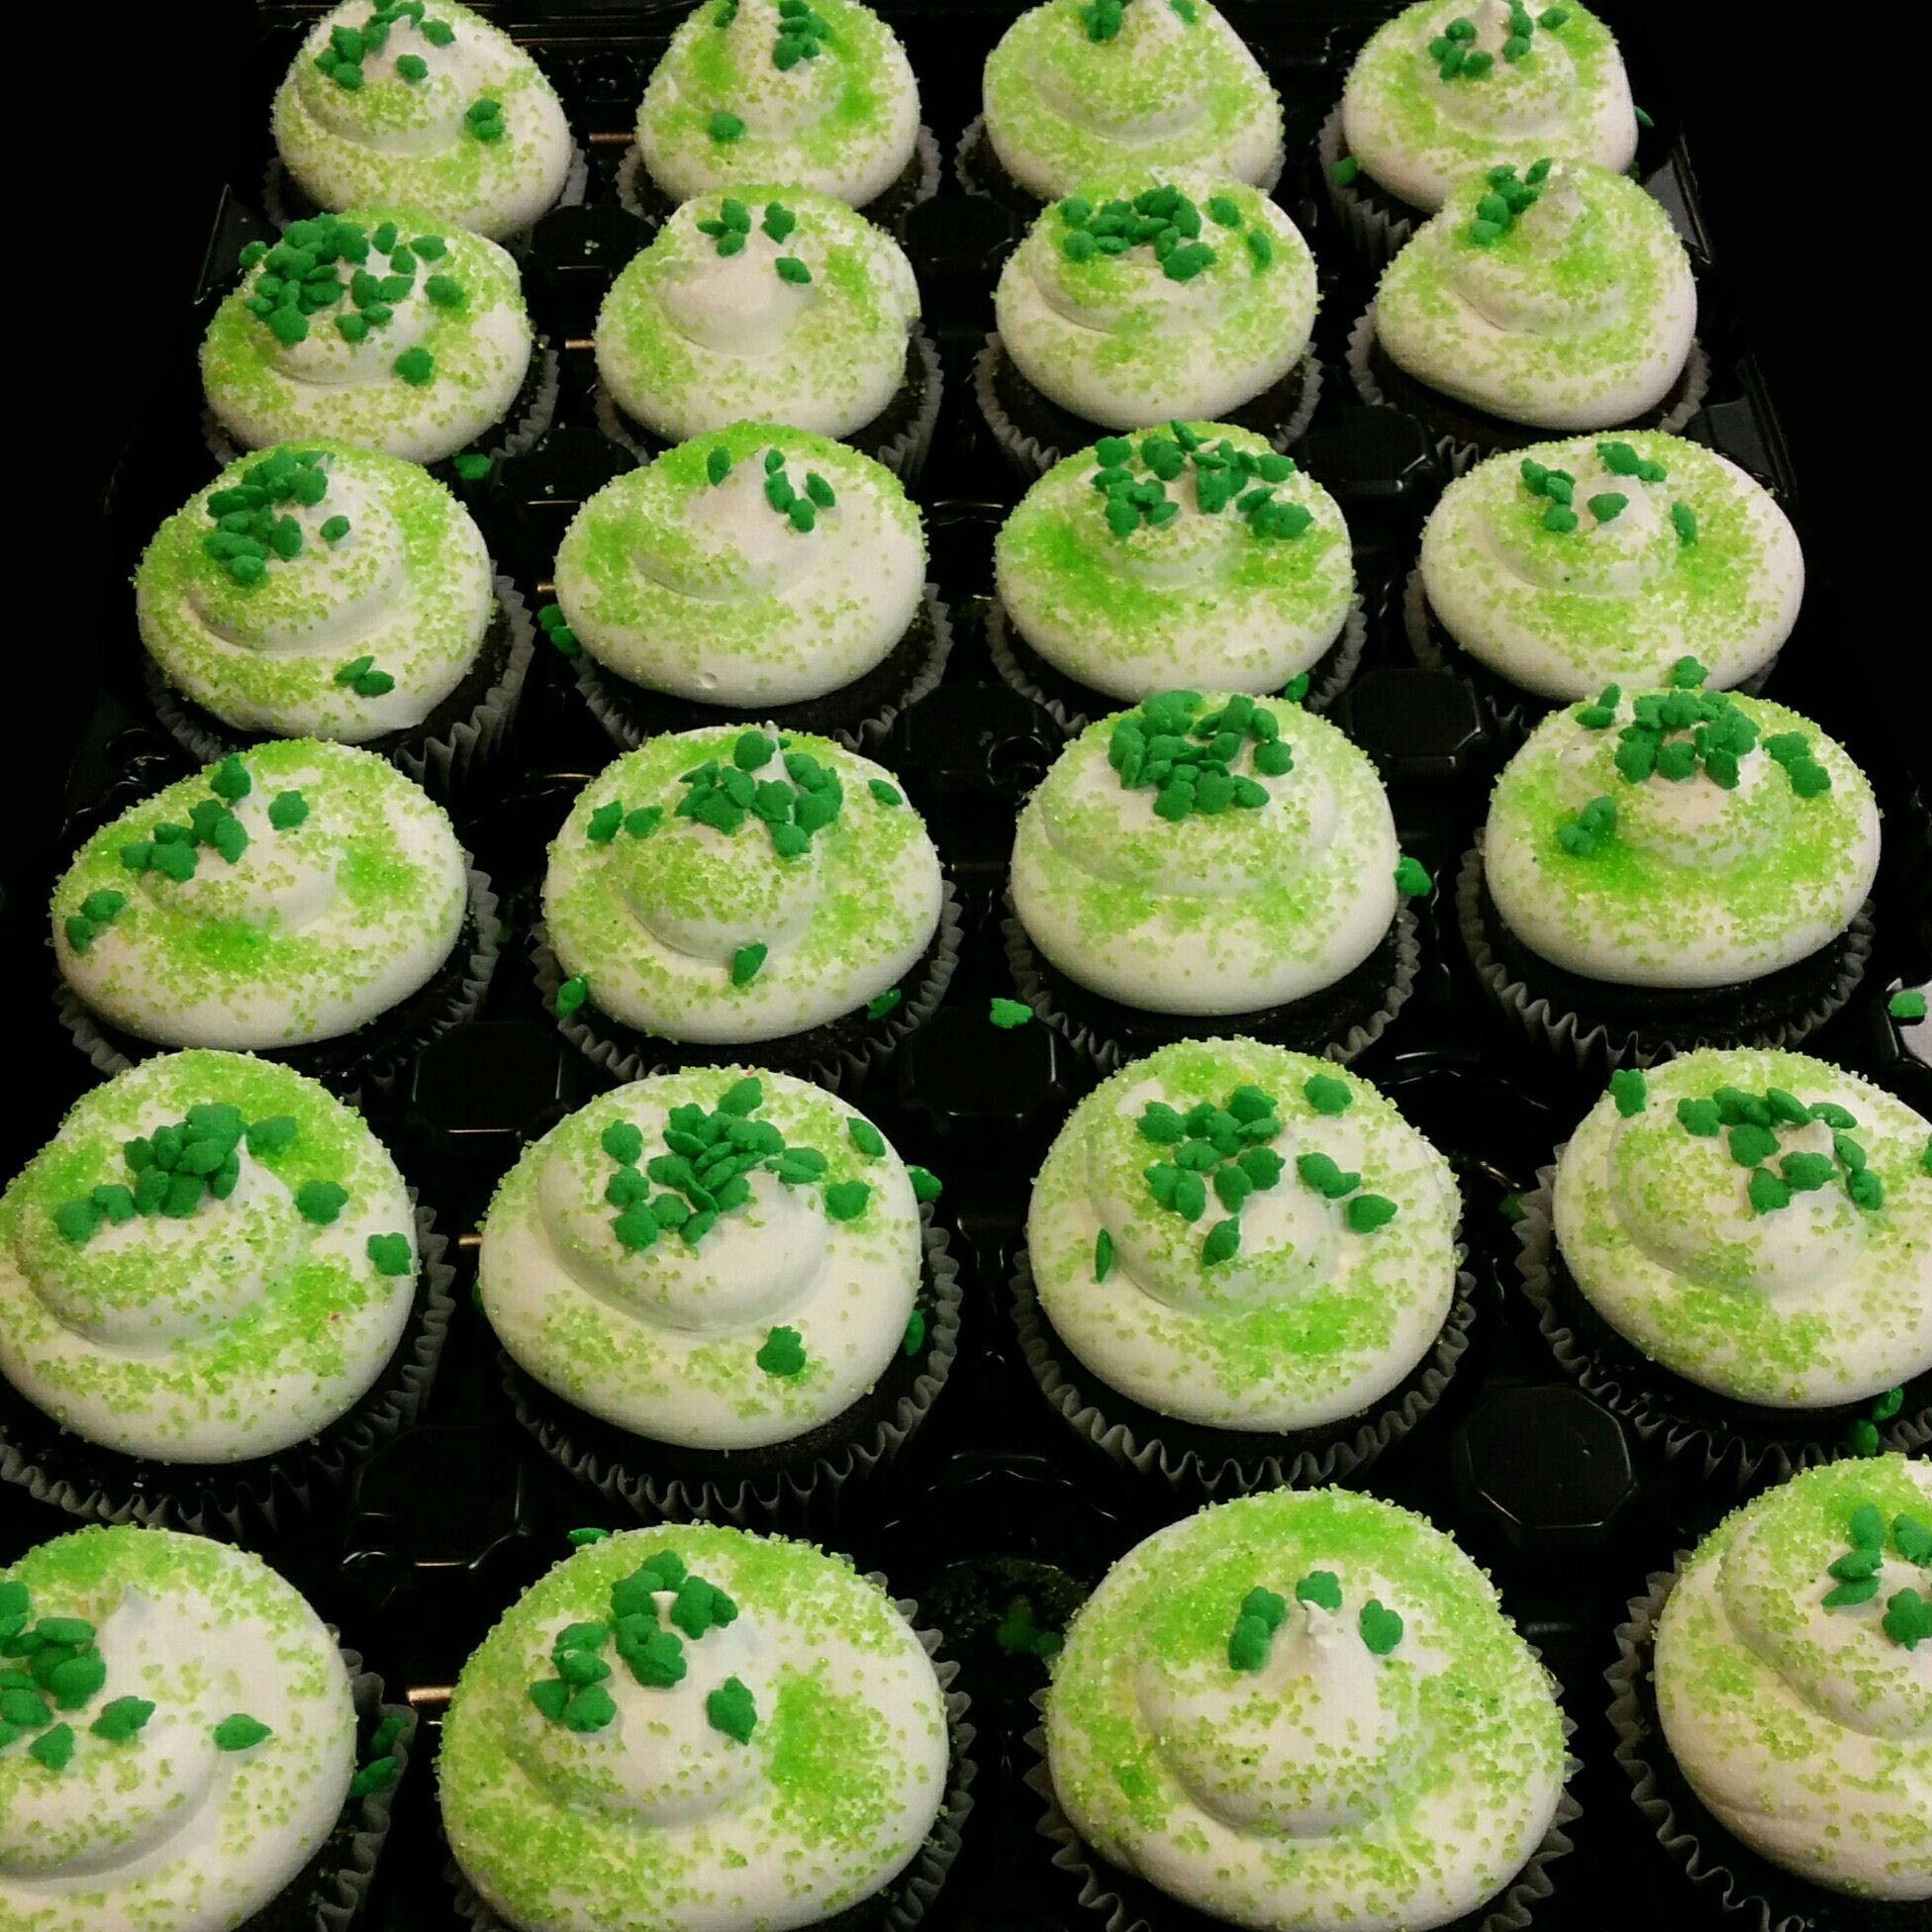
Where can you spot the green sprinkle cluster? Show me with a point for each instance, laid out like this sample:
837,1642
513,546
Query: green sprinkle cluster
1862,1434
171,1169
703,1174
563,639
1222,475
483,120
97,910
301,276
723,796
1161,219
799,508
1214,1147
249,533
380,1770
1590,830
730,228
1187,760
1679,732
1749,1124
1507,196
348,46
174,850
1365,1212
576,1697
362,677
1263,1612
1907,1619
801,33
1620,459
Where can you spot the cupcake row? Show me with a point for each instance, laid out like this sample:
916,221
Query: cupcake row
1295,1708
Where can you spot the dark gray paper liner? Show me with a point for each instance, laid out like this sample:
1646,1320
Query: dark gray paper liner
813,1483
1296,1459
819,1054
1733,1445
1033,458
1510,710
228,1501
905,1898
345,1060
979,170
903,450
440,761
610,699
1459,455
1374,231
918,180
1595,1048
1104,1052
1729,1875
1132,1903
1073,705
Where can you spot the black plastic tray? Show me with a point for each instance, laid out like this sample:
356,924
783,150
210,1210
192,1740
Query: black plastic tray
448,1524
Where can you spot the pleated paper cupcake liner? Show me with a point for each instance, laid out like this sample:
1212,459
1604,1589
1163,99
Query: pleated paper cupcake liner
1755,1895
1200,1464
378,1054
904,1901
452,746
1126,1902
1730,1446
859,716
1457,451
1779,1011
1339,1023
839,1055
1074,706
1373,222
900,437
916,181
239,1501
809,1482
1281,413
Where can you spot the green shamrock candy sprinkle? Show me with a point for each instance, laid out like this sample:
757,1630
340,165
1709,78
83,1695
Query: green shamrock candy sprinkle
1322,1587
1381,1627
239,1732
1629,1090
782,1353
390,1253
1908,1618
1009,1014
730,1710
121,1718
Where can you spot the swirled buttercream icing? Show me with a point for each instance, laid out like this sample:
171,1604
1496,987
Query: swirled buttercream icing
739,885
1193,550
1442,91
317,591
815,92
722,1258
705,1726
430,105
778,304
289,893
1560,297
1759,1222
1139,298
1076,91
212,1260
758,565
1306,1708
382,326
178,1738
1679,839
1573,564
1793,1673
1268,875
1244,1238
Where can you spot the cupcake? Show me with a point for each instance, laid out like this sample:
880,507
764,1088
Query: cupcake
715,1288
1192,551
717,889
180,1743
1735,1252
1211,859
760,571
1440,93
300,897
1139,300
1595,561
211,1283
772,304
817,93
740,1727
1670,869
1555,298
379,327
442,110
1080,90
1304,1709
324,590
1774,1701
1241,1266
